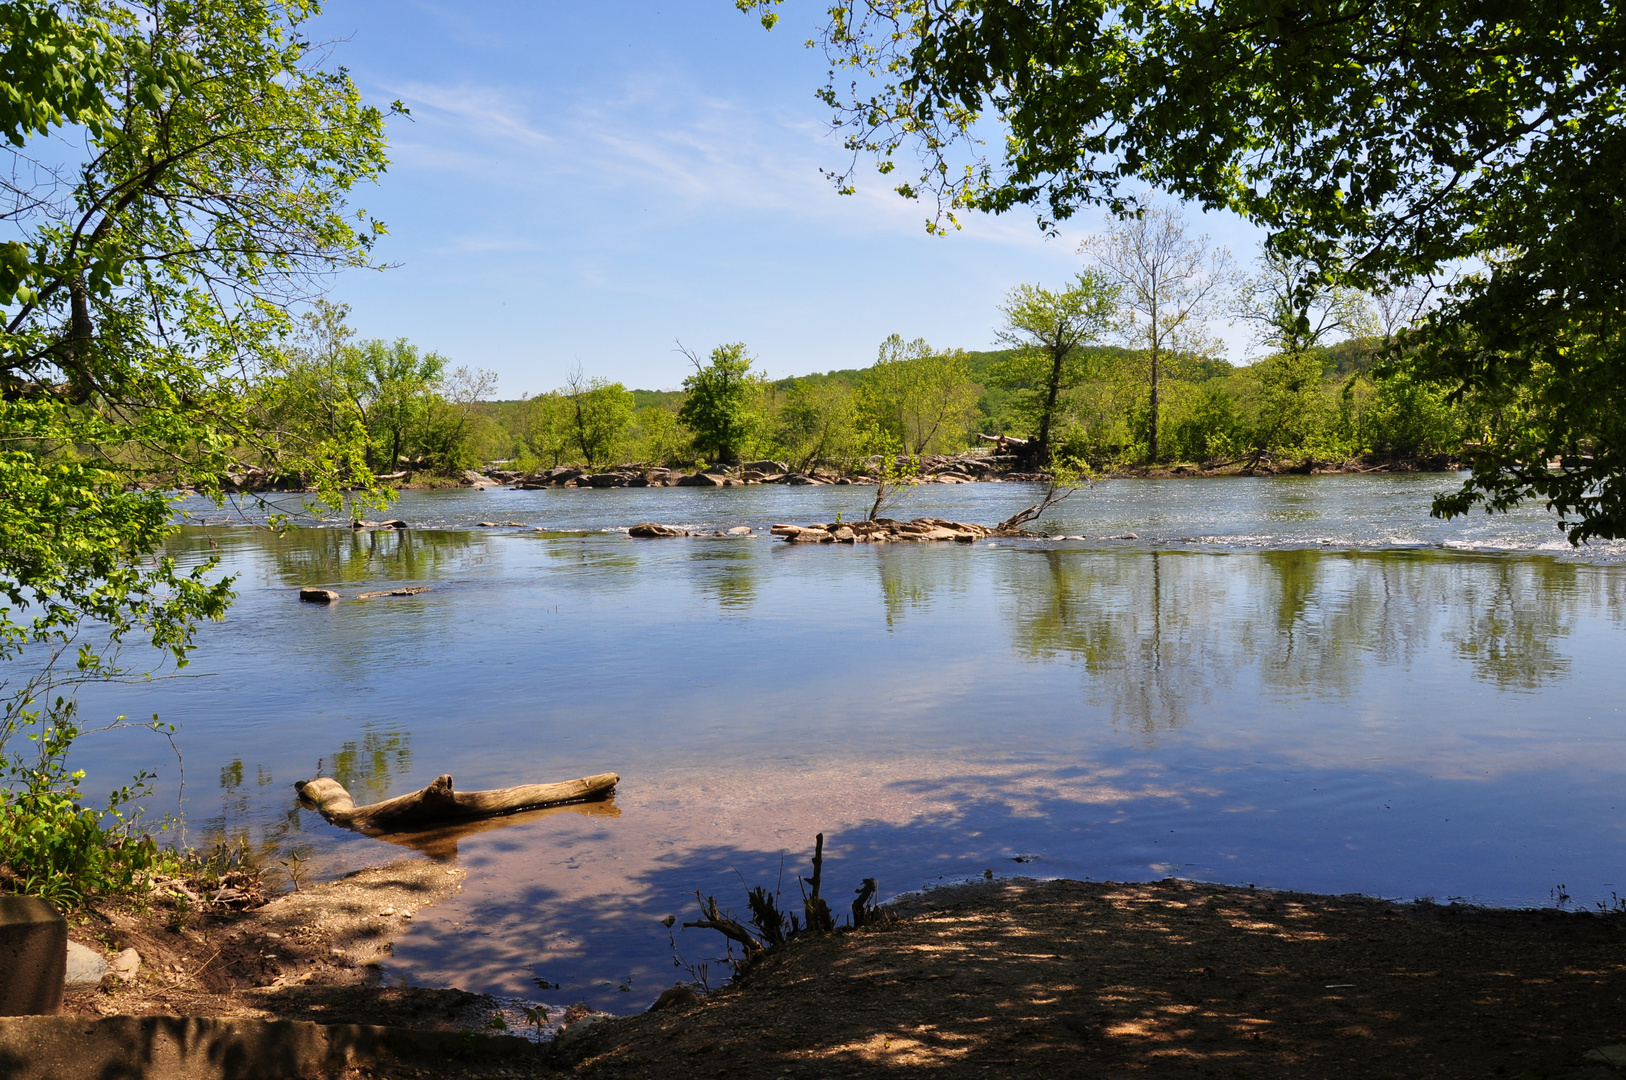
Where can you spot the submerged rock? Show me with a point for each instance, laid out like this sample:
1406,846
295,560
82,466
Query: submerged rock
650,530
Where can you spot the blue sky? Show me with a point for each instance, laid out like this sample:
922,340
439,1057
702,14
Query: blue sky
592,183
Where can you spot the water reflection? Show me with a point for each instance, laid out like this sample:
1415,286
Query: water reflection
335,556
368,768
1146,629
1160,633
725,572
1394,722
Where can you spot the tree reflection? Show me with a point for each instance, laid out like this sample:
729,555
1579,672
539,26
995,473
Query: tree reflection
911,575
1514,615
725,571
369,768
1144,627
304,556
1159,633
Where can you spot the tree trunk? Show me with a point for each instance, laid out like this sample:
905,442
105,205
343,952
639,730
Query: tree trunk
438,804
1151,442
1051,393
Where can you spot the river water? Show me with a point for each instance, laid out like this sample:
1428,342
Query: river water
1300,683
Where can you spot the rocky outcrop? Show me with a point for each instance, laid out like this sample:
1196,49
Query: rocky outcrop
882,531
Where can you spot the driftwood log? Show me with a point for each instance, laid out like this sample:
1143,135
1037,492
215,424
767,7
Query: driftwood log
438,804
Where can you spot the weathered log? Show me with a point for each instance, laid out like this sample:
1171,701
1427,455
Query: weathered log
438,804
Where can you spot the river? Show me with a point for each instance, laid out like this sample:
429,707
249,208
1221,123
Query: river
1301,683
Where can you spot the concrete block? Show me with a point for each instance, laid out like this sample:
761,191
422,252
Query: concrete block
218,1048
33,956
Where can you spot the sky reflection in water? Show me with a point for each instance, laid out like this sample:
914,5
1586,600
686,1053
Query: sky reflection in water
1389,719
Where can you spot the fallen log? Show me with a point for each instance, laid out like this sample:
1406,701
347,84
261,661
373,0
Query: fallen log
438,804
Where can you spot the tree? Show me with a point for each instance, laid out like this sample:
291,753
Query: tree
817,422
1381,140
924,399
1293,315
444,434
599,412
151,264
147,278
720,408
393,384
1166,282
1050,330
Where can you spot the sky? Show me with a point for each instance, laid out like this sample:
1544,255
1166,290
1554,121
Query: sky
590,185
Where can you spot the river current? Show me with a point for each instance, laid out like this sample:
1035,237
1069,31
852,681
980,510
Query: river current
1299,683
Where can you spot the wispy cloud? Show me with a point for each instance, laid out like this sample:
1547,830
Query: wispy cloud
484,113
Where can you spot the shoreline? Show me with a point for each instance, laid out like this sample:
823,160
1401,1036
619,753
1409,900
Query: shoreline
950,470
1054,977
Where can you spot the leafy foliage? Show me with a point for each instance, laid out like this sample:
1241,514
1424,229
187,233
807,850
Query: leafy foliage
921,398
721,408
1050,330
143,283
1378,143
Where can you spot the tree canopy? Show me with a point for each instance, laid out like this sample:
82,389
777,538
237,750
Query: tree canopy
719,406
1378,141
193,188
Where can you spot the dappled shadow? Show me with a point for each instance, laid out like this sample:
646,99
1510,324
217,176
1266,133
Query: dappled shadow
1066,979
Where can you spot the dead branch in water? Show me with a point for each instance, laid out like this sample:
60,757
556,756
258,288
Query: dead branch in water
729,928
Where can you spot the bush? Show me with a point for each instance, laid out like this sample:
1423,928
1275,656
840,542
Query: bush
50,845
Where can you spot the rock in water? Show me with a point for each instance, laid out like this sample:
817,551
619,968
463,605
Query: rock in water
318,596
649,530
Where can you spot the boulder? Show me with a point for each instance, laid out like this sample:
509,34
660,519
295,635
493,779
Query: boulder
844,534
740,530
607,480
396,523
477,480
798,480
701,480
85,969
764,466
638,481
676,997
318,596
125,965
649,530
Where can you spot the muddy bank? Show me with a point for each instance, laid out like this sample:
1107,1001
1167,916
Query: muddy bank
1062,979
311,955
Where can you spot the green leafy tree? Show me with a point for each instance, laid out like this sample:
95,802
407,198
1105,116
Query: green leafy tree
393,384
924,399
817,421
447,432
148,271
598,413
722,406
1381,140
1051,331
544,428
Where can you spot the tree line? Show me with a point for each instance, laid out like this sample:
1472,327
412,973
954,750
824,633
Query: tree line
1118,368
